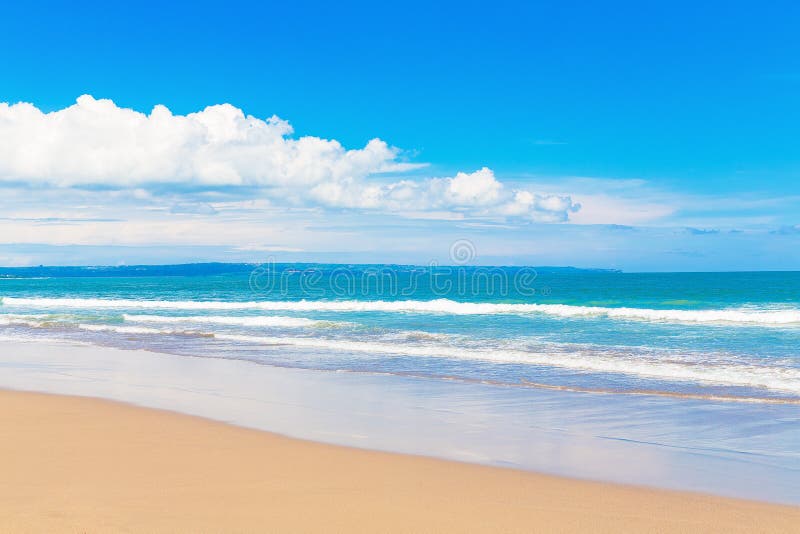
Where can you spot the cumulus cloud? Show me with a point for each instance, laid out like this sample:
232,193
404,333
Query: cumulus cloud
95,143
478,193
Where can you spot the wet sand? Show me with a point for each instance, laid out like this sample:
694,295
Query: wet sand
73,464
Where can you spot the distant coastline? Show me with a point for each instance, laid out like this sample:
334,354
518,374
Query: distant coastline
212,268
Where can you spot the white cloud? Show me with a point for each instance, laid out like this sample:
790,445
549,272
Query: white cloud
477,194
606,209
95,143
476,189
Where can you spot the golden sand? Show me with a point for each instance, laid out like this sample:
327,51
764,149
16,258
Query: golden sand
83,465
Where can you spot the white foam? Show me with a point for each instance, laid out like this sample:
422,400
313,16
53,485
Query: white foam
276,320
21,320
123,329
730,316
649,365
45,320
731,374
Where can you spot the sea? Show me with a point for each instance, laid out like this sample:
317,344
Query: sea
706,363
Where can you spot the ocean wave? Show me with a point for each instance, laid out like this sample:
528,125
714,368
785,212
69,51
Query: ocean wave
275,320
729,374
144,330
123,329
724,316
652,365
35,321
48,321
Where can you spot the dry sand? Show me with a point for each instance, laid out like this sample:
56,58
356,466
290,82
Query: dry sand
84,465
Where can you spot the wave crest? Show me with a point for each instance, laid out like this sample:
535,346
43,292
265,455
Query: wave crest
724,316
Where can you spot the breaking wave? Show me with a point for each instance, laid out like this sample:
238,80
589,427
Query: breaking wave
724,316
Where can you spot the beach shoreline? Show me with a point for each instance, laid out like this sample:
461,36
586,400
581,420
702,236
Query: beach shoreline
85,464
571,435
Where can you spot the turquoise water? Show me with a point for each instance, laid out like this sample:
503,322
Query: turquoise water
721,336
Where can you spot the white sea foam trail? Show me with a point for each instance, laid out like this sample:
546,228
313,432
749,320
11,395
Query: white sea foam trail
25,320
274,321
731,374
729,316
123,329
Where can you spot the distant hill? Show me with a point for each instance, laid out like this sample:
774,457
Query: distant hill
207,269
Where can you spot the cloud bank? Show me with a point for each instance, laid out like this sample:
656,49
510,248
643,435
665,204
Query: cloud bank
96,144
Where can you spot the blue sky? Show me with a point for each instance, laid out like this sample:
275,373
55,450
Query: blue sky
655,136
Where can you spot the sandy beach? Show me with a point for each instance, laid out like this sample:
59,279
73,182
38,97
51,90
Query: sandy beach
74,464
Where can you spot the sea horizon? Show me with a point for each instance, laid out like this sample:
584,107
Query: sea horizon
121,268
